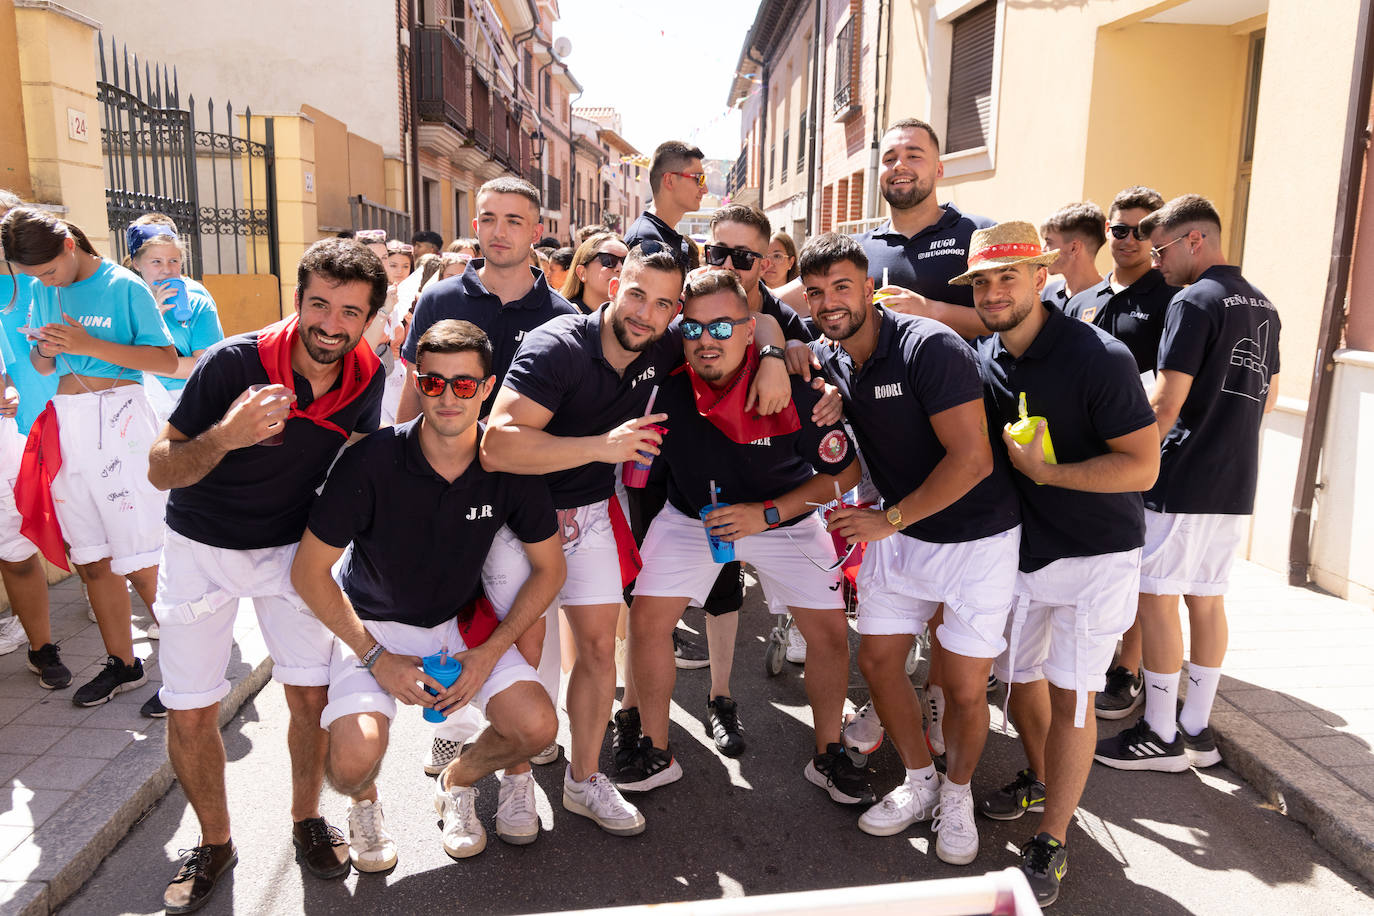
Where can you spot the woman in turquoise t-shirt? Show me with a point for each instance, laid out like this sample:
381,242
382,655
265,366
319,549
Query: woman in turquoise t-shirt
96,326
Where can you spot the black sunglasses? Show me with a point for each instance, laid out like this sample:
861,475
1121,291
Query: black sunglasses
432,385
720,329
1121,231
654,246
608,260
741,258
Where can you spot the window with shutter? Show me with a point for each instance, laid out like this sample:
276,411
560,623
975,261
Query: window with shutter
844,66
784,155
970,78
801,144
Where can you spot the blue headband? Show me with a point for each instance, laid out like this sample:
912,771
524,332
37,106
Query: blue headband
135,237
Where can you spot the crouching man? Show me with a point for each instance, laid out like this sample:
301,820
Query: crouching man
421,514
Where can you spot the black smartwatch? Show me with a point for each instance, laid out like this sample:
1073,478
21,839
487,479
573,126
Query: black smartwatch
771,351
771,514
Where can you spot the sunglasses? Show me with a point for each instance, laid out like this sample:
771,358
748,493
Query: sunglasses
1158,253
720,329
402,248
654,246
367,236
698,177
741,258
1121,231
432,386
608,260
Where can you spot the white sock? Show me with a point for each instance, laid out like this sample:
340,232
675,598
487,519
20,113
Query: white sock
925,777
1161,696
954,788
937,694
1202,690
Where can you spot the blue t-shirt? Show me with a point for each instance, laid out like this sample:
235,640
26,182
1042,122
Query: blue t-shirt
925,262
197,332
35,390
112,304
918,369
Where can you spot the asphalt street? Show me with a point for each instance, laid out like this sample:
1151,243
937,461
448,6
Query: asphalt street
1198,842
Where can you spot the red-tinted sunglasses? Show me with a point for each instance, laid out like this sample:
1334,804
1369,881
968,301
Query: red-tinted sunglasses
432,386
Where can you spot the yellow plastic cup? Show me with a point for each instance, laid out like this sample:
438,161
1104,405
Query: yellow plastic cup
1023,431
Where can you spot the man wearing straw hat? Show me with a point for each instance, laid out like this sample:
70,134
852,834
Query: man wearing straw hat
1079,465
947,532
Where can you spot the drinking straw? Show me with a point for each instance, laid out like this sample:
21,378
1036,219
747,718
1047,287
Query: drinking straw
713,492
884,276
652,395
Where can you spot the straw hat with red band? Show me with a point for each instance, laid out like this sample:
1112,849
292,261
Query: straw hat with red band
1014,242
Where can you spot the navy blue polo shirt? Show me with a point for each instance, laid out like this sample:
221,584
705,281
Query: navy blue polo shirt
1084,383
561,367
419,542
1134,316
919,368
257,496
925,262
1225,334
695,452
793,328
1056,292
464,297
649,226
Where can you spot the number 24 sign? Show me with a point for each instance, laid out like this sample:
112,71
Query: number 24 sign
76,125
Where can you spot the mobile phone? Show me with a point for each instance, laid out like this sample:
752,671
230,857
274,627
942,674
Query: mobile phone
32,333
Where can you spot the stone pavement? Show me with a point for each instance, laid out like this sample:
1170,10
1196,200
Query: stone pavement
75,780
1294,717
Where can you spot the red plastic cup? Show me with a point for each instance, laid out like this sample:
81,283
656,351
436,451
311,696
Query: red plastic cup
636,473
842,545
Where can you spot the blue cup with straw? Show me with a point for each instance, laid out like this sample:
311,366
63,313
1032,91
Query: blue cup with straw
445,669
721,551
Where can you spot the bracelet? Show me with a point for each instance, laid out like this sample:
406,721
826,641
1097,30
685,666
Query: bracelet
371,657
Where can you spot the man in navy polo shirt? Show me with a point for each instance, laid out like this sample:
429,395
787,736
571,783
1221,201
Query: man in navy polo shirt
771,471
237,509
1078,233
572,408
677,180
1218,376
1082,524
422,514
499,292
912,395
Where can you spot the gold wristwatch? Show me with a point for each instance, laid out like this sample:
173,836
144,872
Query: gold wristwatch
894,518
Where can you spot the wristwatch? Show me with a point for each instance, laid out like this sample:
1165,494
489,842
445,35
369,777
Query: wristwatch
771,515
894,518
771,351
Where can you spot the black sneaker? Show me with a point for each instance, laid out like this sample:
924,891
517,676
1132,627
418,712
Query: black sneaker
115,677
322,848
1024,793
47,664
152,708
201,867
648,769
1139,748
1123,693
687,654
844,782
625,735
1044,862
722,717
1200,748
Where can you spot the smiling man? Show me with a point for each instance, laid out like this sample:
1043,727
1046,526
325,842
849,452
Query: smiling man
261,419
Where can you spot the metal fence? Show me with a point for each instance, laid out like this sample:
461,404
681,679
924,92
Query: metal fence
219,188
368,214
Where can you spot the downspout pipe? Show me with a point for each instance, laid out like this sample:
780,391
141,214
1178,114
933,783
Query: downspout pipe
881,89
1353,161
412,114
817,43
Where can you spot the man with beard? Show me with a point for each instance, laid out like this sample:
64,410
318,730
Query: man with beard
572,408
912,394
262,417
1082,522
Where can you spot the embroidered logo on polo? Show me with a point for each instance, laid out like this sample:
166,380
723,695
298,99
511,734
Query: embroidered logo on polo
766,440
476,512
834,446
644,376
893,390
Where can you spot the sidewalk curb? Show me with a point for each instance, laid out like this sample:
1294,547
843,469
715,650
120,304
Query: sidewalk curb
79,837
1340,819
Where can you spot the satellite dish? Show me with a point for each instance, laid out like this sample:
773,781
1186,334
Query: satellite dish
562,47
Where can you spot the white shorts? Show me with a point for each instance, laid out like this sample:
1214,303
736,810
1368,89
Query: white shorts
903,580
353,690
1189,554
13,545
678,564
1065,622
198,592
588,547
101,494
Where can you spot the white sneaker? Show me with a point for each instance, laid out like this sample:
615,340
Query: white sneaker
517,821
546,756
441,753
954,826
369,845
900,808
600,800
796,646
464,834
11,635
153,631
935,733
863,732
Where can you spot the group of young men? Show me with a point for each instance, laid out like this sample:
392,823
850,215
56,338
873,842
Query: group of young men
1009,441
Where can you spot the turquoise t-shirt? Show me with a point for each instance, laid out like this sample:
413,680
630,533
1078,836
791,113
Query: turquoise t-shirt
112,304
35,391
195,333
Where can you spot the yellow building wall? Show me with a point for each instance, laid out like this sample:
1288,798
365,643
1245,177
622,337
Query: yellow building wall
247,302
331,168
366,169
14,155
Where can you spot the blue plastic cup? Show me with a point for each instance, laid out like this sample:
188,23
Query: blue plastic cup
444,669
181,305
721,551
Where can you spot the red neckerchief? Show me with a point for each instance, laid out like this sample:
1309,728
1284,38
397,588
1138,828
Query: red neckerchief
725,410
33,488
477,621
359,365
